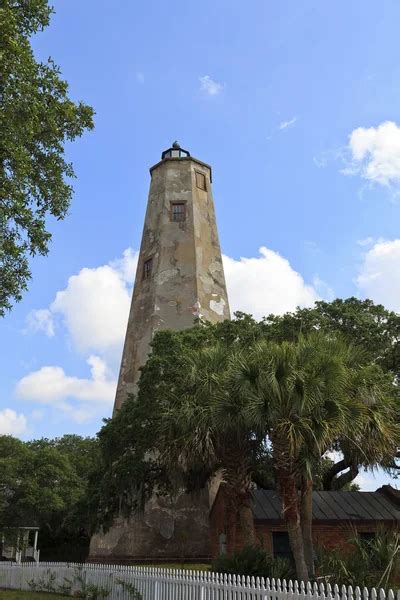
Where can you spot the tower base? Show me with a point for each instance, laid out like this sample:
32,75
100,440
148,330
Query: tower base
167,531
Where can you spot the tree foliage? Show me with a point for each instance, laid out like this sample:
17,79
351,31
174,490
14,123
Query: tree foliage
370,563
44,483
254,561
210,397
37,117
308,395
369,326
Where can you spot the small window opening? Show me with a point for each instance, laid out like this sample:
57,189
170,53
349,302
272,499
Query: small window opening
222,544
201,181
367,536
178,211
147,267
281,545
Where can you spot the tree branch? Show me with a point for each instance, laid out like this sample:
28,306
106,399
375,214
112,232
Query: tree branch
338,483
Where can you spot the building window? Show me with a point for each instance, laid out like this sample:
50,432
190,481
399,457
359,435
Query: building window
366,536
147,267
201,181
178,211
281,545
222,544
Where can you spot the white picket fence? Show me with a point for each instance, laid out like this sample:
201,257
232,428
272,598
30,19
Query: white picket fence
117,582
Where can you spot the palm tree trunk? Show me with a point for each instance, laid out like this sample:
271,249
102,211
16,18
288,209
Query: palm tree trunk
291,514
306,524
231,526
247,521
238,481
296,545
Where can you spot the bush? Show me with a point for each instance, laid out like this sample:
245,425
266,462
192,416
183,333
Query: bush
371,563
253,561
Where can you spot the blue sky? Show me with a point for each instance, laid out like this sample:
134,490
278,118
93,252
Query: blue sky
295,104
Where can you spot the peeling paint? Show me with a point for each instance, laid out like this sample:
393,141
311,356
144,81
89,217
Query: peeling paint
218,307
196,310
164,276
186,282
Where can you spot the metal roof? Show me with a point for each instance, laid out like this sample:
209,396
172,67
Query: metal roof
330,506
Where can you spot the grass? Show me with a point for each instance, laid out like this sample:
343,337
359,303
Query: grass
18,595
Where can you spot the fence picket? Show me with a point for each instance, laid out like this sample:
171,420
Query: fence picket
155,583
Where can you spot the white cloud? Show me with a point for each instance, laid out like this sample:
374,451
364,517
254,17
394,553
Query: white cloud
312,246
325,157
40,320
287,124
94,309
379,276
126,266
366,241
81,398
94,306
375,153
323,289
210,86
266,284
12,423
321,161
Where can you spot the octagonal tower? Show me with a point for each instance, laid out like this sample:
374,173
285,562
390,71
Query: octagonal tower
179,275
179,279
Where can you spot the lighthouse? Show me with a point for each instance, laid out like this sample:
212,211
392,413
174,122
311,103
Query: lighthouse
180,277
179,283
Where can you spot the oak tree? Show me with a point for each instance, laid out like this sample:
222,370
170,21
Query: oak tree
37,118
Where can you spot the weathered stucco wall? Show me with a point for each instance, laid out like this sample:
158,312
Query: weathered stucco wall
172,530
187,281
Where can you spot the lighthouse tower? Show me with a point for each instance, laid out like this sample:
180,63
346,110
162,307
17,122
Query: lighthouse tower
179,279
179,275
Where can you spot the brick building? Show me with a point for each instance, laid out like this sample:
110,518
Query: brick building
336,515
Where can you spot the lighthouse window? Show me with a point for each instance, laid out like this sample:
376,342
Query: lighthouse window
147,266
178,211
201,181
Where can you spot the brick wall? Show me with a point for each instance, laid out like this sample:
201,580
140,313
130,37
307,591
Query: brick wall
327,535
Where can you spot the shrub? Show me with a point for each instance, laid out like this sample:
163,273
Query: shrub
253,561
371,563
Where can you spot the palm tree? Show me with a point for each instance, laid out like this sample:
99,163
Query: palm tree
203,426
338,412
301,396
305,395
378,441
297,394
369,435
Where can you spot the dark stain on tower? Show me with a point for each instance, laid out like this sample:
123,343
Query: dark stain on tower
179,275
179,279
